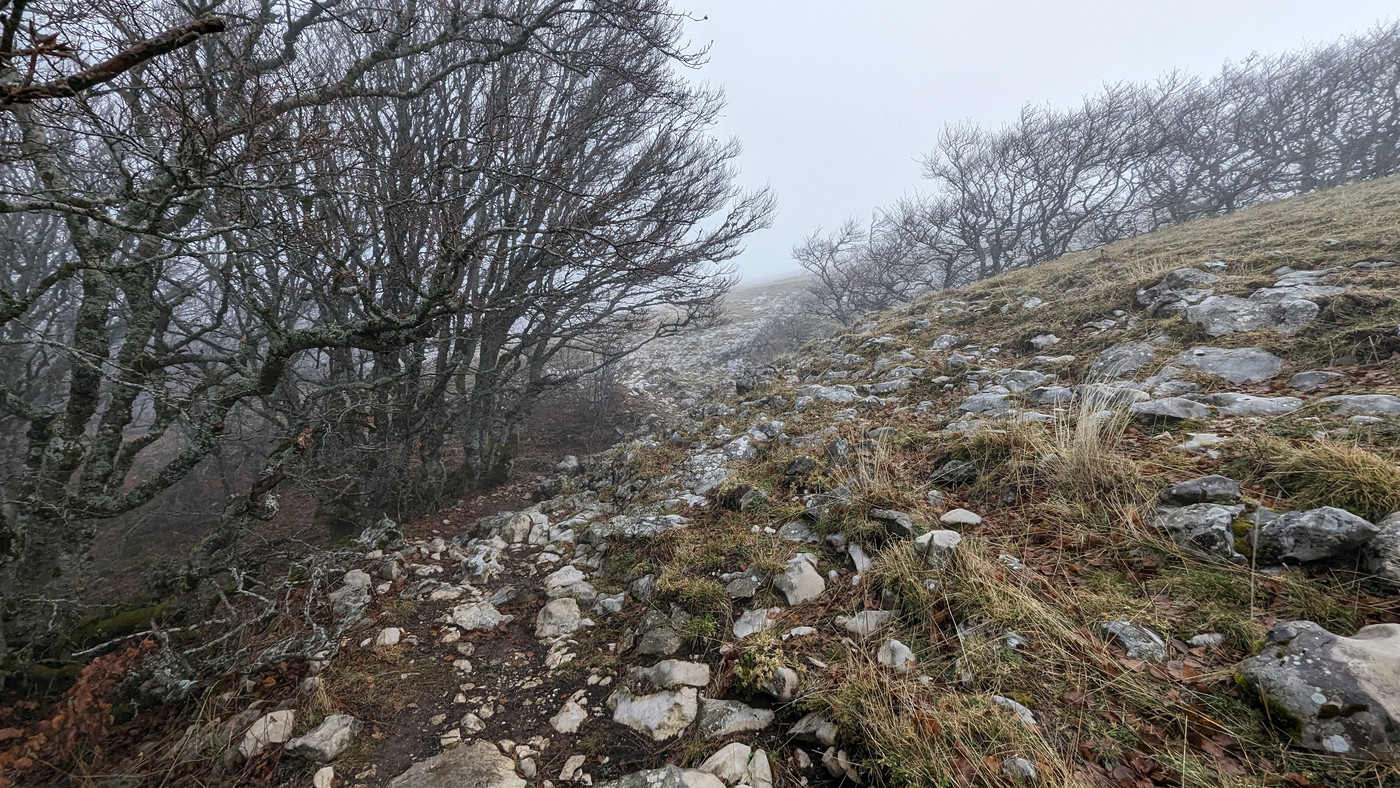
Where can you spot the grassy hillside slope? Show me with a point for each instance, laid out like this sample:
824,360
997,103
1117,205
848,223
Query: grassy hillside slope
1064,543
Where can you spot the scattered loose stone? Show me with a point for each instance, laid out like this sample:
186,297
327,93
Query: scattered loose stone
269,729
720,718
1050,395
572,766
1313,380
839,394
667,777
569,718
896,655
1202,443
782,684
796,532
988,404
1222,315
1122,359
899,523
799,582
868,622
816,728
1140,642
1207,640
1019,769
479,615
1176,291
955,472
1338,695
1017,708
328,740
730,763
754,621
1205,489
960,517
838,764
658,636
936,548
349,600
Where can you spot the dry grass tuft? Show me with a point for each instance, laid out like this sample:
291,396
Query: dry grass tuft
1089,463
1326,473
921,734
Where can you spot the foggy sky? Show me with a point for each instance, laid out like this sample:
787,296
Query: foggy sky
835,101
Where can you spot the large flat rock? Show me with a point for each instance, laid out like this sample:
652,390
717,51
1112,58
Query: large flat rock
479,765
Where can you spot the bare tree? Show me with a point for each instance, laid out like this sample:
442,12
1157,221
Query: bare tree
1131,158
260,224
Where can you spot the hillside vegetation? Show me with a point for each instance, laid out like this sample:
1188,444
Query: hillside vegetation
933,550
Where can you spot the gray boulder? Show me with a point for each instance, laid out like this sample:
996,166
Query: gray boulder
1336,694
1247,405
1365,404
384,535
1021,380
1314,535
1381,555
660,715
955,472
1050,395
670,673
1237,365
477,615
1122,359
936,548
478,764
558,618
989,404
1201,529
751,622
800,466
1176,291
1205,489
1168,410
1099,396
814,728
1224,315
